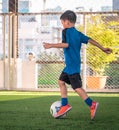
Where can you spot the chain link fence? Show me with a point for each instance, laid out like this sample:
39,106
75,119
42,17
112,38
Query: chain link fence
103,27
35,28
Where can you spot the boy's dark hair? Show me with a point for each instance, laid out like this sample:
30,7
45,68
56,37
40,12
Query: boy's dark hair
69,15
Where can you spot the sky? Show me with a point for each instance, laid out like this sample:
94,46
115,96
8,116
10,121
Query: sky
72,4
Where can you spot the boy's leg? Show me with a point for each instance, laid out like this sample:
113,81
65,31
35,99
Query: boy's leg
76,84
63,89
93,105
81,92
65,106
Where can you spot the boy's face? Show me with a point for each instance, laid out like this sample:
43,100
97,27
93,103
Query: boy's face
65,23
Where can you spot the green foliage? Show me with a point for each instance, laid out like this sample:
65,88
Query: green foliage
113,72
102,32
49,74
49,71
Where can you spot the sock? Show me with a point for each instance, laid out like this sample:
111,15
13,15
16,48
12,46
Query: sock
88,101
64,101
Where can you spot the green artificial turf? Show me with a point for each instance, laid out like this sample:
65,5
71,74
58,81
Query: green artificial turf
30,111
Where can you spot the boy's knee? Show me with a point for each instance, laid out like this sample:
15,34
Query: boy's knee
61,83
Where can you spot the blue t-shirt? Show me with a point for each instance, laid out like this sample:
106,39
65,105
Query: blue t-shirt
72,54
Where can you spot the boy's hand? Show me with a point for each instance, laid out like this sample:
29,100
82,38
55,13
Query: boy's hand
107,50
47,45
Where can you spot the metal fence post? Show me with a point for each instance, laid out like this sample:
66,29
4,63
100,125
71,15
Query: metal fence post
84,55
9,51
4,48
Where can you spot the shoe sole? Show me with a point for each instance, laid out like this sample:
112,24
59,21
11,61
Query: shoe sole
97,104
56,117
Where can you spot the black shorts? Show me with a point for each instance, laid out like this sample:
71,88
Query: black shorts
74,80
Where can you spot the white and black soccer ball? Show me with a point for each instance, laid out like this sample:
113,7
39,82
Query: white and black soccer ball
55,107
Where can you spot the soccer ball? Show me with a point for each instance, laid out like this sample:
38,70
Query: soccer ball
55,107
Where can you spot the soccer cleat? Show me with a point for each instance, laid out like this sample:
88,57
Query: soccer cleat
93,109
63,110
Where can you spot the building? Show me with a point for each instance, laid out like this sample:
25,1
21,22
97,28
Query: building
24,6
106,8
27,27
115,5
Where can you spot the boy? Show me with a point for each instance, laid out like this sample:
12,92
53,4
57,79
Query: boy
71,43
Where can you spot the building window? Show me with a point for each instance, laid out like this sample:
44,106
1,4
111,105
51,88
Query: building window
23,6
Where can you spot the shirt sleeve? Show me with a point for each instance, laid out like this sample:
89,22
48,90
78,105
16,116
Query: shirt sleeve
84,38
64,36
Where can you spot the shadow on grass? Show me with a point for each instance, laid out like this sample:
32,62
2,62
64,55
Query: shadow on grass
31,112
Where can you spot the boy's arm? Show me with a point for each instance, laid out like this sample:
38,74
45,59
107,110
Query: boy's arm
57,45
95,43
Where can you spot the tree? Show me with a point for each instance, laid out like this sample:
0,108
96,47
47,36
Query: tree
107,37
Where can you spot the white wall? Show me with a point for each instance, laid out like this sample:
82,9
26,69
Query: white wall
29,75
26,75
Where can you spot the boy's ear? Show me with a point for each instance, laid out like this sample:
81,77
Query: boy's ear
67,21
